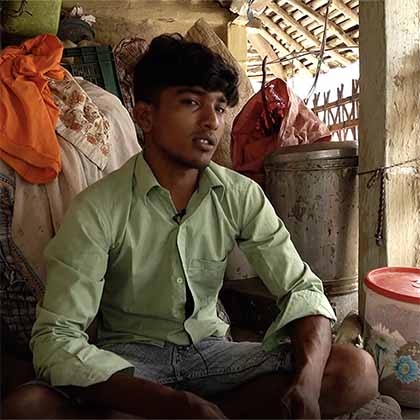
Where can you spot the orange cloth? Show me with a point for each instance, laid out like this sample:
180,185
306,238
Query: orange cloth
28,114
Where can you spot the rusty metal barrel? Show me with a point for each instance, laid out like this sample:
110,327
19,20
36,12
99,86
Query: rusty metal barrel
314,190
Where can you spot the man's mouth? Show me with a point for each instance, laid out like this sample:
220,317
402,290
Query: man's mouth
205,143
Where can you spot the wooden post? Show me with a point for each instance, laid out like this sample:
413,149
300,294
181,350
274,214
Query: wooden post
237,43
263,48
389,133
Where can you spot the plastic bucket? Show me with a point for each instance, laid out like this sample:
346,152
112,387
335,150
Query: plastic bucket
392,331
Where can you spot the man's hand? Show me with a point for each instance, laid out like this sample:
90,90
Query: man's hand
146,399
311,339
302,400
192,406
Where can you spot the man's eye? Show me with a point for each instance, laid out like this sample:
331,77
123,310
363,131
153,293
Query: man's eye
189,101
221,110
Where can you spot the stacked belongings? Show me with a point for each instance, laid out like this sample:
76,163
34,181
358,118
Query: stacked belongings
274,117
58,136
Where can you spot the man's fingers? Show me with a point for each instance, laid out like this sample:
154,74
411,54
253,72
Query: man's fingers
201,408
300,406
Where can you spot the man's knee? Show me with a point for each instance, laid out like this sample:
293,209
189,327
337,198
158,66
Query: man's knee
41,402
354,371
32,401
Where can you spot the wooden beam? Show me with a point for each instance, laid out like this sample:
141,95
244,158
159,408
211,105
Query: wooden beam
293,23
320,7
283,51
344,23
335,18
389,132
334,15
317,29
332,27
286,37
258,6
264,48
241,6
301,29
351,54
237,43
345,10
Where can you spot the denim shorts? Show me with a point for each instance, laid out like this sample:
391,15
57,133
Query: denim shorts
212,366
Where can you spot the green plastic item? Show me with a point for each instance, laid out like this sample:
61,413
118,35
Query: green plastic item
30,18
95,64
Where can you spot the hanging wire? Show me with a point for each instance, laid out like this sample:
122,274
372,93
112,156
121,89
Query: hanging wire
249,13
16,13
321,53
296,55
268,117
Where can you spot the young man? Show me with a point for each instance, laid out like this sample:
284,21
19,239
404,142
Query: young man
144,250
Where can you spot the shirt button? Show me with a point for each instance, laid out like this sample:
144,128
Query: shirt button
179,280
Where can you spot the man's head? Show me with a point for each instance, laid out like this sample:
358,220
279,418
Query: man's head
181,91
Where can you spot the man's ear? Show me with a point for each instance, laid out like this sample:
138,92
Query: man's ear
143,115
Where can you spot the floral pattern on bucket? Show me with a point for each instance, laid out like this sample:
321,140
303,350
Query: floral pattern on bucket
407,364
383,345
406,369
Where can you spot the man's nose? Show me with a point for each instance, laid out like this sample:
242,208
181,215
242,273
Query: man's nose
210,118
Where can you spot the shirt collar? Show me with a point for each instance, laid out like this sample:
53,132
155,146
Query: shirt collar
210,180
146,181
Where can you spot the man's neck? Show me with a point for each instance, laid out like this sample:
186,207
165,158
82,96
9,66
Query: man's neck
180,181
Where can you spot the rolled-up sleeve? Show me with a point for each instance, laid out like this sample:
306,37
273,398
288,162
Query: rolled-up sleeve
76,262
266,242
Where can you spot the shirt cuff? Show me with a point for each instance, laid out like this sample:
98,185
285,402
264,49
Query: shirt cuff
87,367
299,305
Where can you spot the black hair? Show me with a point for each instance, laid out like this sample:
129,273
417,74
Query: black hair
173,61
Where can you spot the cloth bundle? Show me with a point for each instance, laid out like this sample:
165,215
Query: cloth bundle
274,117
28,114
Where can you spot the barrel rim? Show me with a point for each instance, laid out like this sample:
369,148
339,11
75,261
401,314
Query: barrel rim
304,152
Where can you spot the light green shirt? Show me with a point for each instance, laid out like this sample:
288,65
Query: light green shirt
120,252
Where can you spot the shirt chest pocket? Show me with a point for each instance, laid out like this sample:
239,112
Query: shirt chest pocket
207,275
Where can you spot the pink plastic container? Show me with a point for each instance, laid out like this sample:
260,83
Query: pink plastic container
392,331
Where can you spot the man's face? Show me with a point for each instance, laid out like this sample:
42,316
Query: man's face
187,125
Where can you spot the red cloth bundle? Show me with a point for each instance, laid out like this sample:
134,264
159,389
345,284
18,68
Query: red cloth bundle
259,130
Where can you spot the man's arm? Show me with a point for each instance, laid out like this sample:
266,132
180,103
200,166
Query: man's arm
77,260
304,311
145,399
311,340
266,242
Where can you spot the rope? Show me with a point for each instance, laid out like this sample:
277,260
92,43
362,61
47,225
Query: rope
381,174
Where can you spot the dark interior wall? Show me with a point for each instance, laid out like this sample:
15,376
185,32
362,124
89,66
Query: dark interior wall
117,19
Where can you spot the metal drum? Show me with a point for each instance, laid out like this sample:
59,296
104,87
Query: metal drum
314,190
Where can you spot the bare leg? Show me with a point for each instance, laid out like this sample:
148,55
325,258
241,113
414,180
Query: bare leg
257,399
350,381
41,402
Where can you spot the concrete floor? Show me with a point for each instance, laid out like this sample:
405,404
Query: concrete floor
410,413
